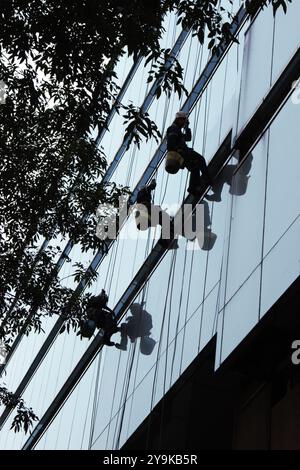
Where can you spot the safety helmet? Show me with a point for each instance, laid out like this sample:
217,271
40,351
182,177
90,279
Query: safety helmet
181,115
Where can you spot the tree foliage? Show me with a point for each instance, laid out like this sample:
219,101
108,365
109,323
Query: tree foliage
58,60
24,417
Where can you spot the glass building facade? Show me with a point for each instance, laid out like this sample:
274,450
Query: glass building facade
192,294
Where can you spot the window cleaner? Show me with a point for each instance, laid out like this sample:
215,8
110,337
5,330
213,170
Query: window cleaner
150,215
100,316
181,156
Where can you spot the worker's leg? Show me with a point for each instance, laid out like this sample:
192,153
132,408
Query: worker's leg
167,230
108,333
195,180
195,161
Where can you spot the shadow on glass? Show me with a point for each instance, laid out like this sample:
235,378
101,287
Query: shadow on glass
138,325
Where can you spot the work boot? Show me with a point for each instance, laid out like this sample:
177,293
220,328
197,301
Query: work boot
107,341
195,190
216,197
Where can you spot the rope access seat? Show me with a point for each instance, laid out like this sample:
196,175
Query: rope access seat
173,162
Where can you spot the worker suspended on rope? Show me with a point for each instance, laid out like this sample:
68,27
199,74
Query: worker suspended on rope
181,156
150,215
139,325
100,316
144,206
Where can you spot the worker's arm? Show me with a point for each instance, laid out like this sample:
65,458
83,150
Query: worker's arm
188,134
143,195
173,138
108,310
152,185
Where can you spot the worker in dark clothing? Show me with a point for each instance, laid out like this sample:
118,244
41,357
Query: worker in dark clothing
162,218
193,161
144,197
138,325
100,316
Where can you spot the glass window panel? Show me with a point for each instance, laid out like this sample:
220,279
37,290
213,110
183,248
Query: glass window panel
191,339
248,188
136,91
209,317
137,408
286,40
240,315
283,189
118,429
140,406
256,75
100,443
174,358
231,89
25,353
281,267
220,220
216,94
71,427
9,440
111,392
